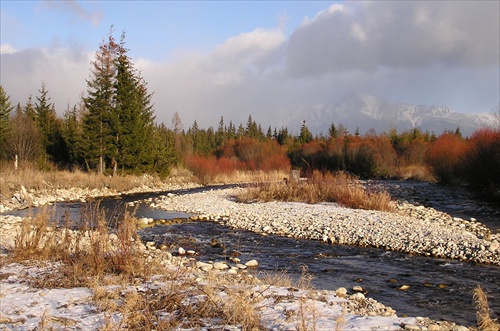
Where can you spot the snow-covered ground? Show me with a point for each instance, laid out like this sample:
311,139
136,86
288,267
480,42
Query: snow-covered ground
24,307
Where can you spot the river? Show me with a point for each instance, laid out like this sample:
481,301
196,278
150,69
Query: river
439,288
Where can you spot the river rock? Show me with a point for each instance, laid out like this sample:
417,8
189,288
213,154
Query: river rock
357,296
220,266
204,266
341,292
357,288
252,263
494,247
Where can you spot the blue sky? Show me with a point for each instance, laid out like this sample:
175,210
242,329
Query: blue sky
154,28
205,59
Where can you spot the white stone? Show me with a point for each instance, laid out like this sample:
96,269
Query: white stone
252,263
357,296
220,266
493,247
341,292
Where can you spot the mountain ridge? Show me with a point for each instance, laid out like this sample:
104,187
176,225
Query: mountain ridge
366,112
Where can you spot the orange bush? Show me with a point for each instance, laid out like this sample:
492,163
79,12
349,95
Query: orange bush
244,154
445,156
481,162
253,154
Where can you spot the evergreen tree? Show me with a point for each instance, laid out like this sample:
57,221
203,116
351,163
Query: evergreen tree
5,110
50,128
164,152
99,129
252,130
220,135
240,132
72,134
119,122
305,135
332,131
29,109
132,115
269,134
231,131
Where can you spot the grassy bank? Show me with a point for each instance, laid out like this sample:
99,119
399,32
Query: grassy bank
320,187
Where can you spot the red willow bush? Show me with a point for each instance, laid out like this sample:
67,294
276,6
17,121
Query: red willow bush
445,156
480,166
243,154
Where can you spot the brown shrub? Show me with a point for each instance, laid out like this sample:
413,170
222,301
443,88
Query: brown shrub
341,188
481,161
444,157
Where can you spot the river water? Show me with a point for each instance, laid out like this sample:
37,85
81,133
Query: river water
439,288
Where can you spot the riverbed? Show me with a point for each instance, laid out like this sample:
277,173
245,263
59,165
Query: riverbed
437,288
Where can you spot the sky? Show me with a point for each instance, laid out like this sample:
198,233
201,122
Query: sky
207,59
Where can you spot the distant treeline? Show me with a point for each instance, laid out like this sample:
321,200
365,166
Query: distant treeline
113,131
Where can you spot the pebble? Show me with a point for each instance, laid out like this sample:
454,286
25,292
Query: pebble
252,263
341,292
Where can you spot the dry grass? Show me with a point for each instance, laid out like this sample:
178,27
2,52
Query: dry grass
87,254
340,188
179,302
484,321
249,177
30,178
415,172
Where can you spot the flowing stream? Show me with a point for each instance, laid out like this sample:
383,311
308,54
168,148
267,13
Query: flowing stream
439,288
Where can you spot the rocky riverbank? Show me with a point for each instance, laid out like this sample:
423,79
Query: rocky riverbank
34,198
412,229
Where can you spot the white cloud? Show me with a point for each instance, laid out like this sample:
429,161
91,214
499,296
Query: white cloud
63,70
7,49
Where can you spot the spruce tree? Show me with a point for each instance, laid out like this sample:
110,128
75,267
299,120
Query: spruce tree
72,134
50,128
5,110
119,123
133,115
305,135
99,131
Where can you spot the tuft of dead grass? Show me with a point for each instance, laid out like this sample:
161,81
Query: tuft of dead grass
484,321
341,188
86,254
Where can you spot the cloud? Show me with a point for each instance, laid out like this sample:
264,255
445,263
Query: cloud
233,80
367,36
7,49
62,69
74,9
434,53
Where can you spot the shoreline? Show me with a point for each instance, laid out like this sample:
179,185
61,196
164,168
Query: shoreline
331,223
412,229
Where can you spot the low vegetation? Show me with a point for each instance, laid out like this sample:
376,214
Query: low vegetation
320,187
88,253
111,263
484,321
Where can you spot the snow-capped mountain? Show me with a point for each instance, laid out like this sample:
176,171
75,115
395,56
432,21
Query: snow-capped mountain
368,112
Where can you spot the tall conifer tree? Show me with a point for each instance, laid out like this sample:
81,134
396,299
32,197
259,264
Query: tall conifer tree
133,113
98,130
5,110
119,120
